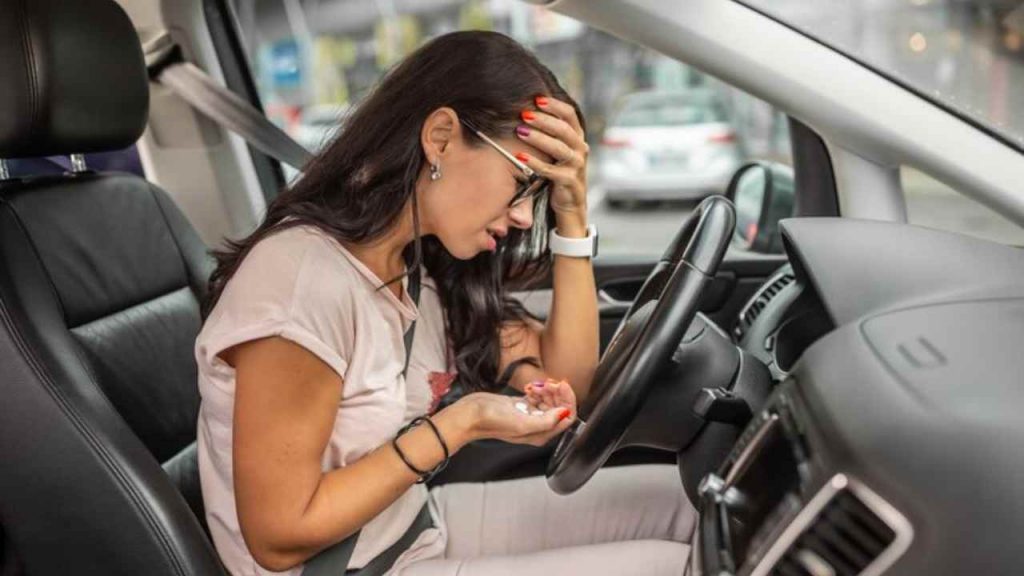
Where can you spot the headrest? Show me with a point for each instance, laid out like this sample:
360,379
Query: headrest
72,78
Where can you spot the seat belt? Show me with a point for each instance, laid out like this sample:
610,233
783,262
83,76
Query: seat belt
334,560
166,67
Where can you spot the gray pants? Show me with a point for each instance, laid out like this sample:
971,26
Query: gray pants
627,520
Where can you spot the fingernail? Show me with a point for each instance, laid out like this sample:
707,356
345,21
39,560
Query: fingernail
528,115
522,156
537,383
523,130
563,414
541,101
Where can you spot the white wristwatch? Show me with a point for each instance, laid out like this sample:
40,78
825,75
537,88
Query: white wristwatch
574,247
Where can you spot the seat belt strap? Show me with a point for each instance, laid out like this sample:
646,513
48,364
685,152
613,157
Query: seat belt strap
333,561
165,66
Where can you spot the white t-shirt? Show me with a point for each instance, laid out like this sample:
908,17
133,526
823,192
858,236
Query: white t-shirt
302,285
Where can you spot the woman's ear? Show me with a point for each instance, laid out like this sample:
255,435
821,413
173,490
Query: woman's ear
437,133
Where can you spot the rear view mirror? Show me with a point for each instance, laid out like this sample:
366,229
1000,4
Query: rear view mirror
763,193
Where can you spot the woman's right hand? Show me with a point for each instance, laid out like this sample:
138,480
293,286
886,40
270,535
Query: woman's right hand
496,416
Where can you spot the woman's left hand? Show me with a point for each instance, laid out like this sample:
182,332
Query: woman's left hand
555,129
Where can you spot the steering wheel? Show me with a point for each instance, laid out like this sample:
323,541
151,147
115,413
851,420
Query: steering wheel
644,343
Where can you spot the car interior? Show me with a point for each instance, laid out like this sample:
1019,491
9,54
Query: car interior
839,393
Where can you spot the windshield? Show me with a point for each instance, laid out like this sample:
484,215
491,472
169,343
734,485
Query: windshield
966,54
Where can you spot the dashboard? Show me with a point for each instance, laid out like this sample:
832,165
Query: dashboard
891,441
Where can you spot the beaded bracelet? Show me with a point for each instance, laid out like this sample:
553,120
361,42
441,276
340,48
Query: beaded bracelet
425,476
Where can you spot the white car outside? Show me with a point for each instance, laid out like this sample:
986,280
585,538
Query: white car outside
668,146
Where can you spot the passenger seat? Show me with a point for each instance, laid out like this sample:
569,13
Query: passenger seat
101,279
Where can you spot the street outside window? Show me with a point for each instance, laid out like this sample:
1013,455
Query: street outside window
663,136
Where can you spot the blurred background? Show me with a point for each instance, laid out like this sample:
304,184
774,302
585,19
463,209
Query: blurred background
663,135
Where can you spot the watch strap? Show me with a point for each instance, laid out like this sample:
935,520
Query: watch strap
574,247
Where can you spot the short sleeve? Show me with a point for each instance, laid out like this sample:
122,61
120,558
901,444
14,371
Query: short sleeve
289,285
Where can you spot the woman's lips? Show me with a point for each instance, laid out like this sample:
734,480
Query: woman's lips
492,244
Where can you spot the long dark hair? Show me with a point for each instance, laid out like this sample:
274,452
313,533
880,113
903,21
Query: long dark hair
356,189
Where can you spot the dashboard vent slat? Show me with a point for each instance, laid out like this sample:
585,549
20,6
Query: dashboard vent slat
842,540
865,517
864,539
760,301
786,567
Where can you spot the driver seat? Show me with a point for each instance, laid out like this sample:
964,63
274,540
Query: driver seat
101,279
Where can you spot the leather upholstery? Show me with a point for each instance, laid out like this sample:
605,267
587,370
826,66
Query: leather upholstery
125,294
73,78
101,279
100,284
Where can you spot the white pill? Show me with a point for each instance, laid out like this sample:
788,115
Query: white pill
522,407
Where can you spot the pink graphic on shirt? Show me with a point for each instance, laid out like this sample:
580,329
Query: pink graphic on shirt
440,384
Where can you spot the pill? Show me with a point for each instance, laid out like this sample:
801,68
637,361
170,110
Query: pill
521,406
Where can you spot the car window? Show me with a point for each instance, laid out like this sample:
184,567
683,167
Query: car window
933,204
662,135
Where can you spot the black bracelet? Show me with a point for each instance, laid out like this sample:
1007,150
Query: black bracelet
425,476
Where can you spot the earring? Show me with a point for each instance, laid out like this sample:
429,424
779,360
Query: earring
435,171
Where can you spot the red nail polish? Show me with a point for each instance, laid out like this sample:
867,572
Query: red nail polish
528,115
522,157
563,414
523,130
541,101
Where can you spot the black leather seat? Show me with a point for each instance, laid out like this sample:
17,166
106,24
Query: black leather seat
101,279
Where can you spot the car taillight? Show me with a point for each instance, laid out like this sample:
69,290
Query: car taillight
615,143
723,137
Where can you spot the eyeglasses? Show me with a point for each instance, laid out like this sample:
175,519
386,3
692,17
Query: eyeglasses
535,185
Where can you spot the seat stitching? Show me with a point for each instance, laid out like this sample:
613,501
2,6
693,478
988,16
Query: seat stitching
174,238
39,258
65,403
33,83
53,286
76,348
82,425
131,307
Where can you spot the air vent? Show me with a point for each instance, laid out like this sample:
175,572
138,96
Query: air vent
843,540
760,301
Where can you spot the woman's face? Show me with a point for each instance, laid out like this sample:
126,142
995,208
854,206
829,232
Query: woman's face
468,207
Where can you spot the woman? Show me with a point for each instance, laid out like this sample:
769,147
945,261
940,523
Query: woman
458,163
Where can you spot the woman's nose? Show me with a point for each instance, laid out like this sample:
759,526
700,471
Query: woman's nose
521,215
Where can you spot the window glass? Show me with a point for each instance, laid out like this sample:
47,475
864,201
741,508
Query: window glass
966,54
933,204
662,135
